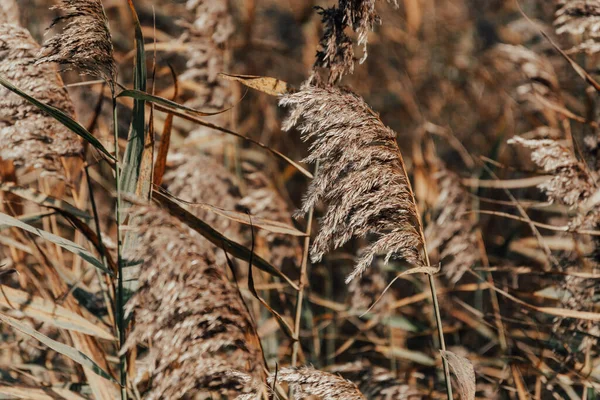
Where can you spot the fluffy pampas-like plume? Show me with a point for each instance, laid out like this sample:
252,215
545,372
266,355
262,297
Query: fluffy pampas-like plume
85,43
193,317
361,177
28,136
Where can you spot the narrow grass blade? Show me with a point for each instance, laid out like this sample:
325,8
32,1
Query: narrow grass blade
60,116
139,95
43,199
287,329
191,118
48,311
37,393
216,238
165,139
135,141
62,242
61,348
265,84
243,218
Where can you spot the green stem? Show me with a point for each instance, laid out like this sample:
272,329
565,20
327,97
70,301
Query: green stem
120,306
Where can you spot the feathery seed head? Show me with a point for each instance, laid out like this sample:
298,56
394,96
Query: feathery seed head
570,183
307,381
85,43
361,176
194,317
452,232
28,136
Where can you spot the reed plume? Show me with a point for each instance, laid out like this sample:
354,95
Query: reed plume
452,231
206,38
307,382
376,383
28,136
530,76
193,317
85,42
361,176
581,20
336,51
570,183
9,12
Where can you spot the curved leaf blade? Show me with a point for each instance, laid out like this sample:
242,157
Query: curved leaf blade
60,116
67,351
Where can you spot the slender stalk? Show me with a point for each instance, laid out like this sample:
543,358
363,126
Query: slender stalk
434,298
302,284
120,303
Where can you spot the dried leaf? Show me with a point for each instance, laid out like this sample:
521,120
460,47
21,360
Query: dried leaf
265,84
464,373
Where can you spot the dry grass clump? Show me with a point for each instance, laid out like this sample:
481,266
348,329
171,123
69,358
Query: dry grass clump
453,231
193,318
85,43
28,136
361,176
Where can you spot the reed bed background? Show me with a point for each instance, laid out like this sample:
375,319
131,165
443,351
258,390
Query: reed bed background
299,199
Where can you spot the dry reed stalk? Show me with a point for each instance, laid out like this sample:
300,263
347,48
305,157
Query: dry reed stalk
85,43
9,12
263,200
581,20
193,317
28,136
376,383
361,176
453,231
